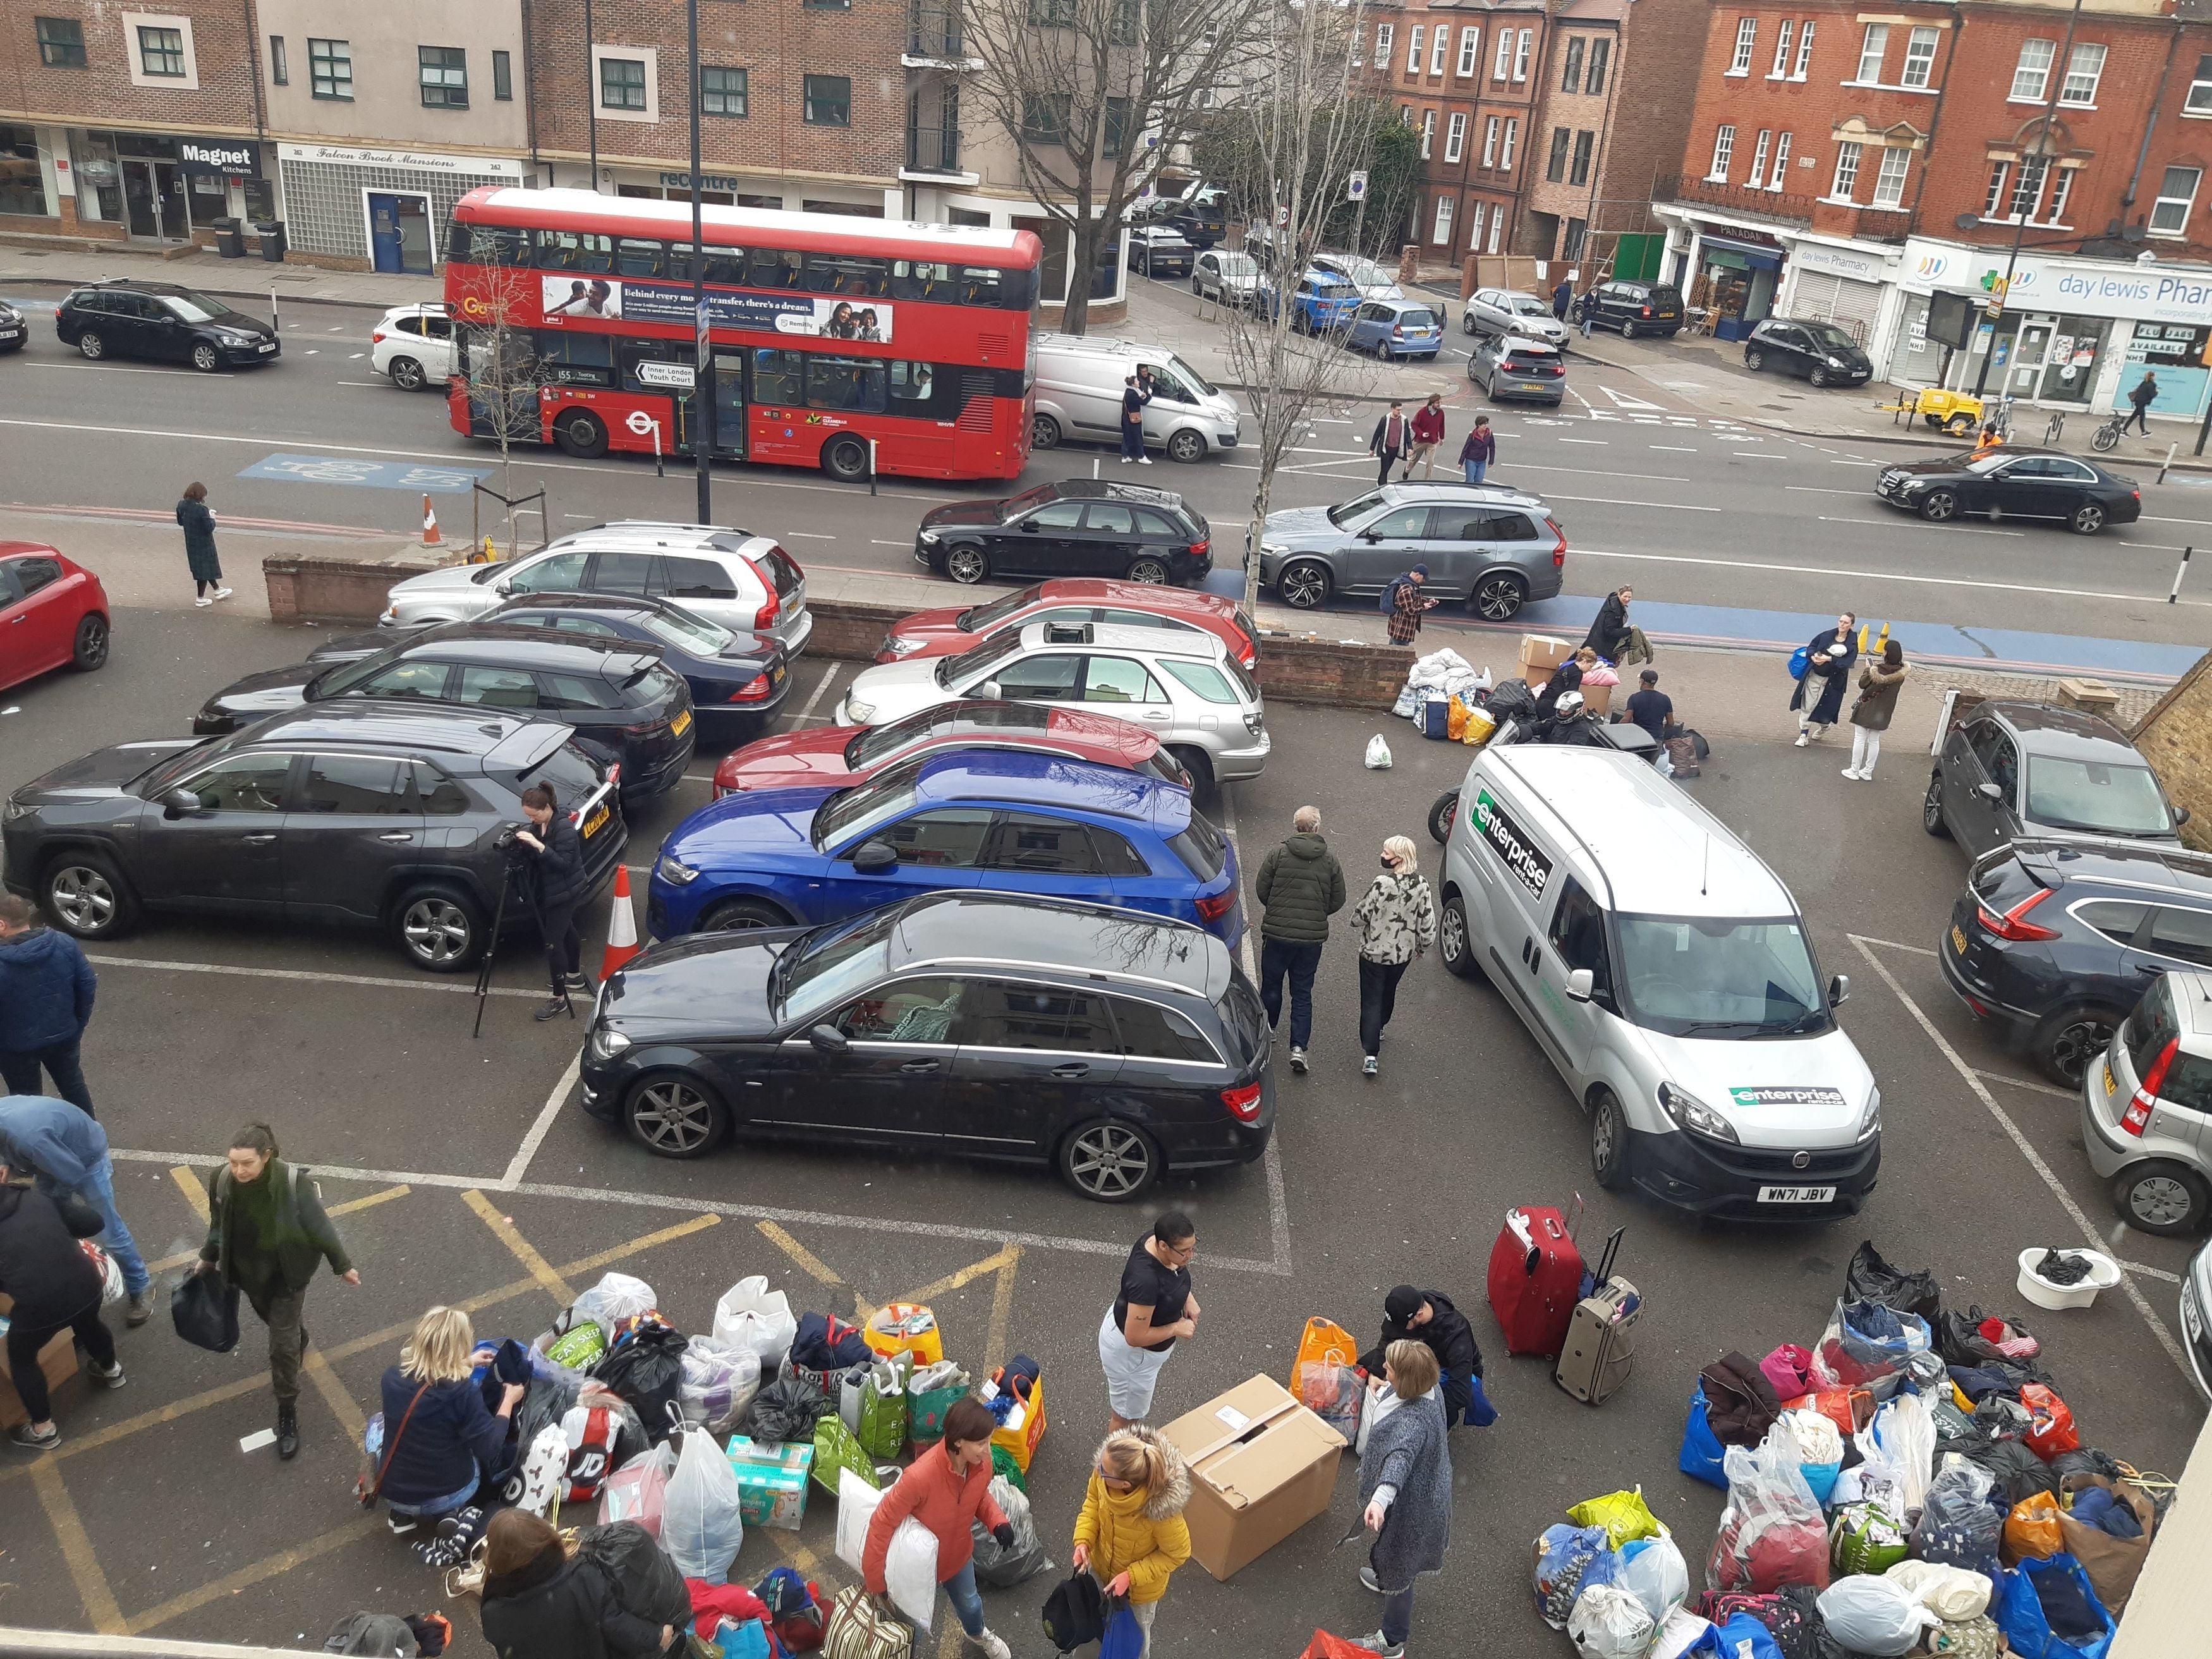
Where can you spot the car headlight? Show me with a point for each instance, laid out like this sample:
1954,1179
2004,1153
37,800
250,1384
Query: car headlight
859,713
391,613
929,539
1835,362
671,868
1870,1122
607,1042
13,809
1693,1115
899,645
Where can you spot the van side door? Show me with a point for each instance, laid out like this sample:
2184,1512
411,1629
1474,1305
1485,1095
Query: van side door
1575,939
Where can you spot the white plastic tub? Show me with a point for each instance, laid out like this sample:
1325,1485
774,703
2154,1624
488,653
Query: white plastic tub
2104,1274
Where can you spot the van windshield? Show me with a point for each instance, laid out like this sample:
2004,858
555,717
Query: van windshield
1720,976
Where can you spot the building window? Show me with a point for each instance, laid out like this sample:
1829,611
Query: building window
444,73
1920,58
329,68
1117,126
1804,51
162,53
1774,179
61,42
1601,55
2027,189
2177,194
1521,54
502,77
2000,174
280,66
1889,183
1045,115
1501,65
1428,132
1438,46
723,91
622,83
1414,51
1405,115
2199,101
2055,213
2085,67
1512,135
1555,169
1847,171
1583,142
2030,76
1870,54
1384,33
1757,178
830,102
1782,36
829,5
1747,36
1474,227
1053,14
1490,143
1442,234
1470,46
1724,151
1455,136
1572,81
1497,225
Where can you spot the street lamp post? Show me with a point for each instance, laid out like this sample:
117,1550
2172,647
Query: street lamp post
702,373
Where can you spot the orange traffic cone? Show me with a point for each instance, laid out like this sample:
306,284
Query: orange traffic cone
622,928
430,536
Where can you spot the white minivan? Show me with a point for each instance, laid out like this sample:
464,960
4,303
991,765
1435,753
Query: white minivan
1668,974
1079,382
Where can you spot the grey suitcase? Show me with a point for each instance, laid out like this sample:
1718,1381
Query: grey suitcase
1600,1346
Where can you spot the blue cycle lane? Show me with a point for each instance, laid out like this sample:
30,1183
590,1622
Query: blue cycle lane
411,475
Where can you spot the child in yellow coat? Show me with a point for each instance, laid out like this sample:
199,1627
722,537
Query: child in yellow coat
1131,1533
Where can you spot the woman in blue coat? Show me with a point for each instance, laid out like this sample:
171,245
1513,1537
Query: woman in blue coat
440,1441
1818,698
198,524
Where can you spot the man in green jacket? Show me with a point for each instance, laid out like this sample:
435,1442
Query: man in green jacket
1300,886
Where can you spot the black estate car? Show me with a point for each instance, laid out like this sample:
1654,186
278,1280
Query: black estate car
1634,308
368,815
2055,940
618,698
1111,1045
1818,352
1075,528
166,321
2013,482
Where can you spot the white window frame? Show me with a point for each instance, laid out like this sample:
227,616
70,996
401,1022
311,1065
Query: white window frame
132,22
1441,235
1804,50
2031,82
1889,183
1490,143
1439,43
650,57
1414,51
1521,51
1774,179
1723,153
1497,225
2085,63
1747,42
1455,136
2026,193
1428,132
1475,226
2061,191
1782,36
1512,136
1501,65
1999,190
2188,203
1756,179
1846,179
2199,100
1873,46
1470,52
1919,59
1384,34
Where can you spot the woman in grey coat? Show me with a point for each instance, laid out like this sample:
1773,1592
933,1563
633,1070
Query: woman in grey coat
198,524
1879,684
1405,1482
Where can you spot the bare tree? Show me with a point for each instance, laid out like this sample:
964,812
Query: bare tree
500,367
1093,96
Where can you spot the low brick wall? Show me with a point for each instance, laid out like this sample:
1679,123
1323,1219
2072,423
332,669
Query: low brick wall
341,588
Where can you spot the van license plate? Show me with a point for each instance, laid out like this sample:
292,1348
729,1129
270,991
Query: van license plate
1958,938
596,821
1796,1195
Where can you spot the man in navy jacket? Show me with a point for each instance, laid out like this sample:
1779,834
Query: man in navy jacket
46,1002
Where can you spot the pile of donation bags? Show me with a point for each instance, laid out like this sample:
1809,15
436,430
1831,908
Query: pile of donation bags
1913,1483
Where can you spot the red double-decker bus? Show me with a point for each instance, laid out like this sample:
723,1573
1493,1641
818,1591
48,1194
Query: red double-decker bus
575,325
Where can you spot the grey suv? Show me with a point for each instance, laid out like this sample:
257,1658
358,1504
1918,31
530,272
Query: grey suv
371,815
1497,549
2011,771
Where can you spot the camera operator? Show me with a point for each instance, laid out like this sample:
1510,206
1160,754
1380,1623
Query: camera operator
558,865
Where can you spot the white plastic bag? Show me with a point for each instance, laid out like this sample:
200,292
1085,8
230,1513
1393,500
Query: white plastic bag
720,1382
750,1316
1874,1615
1950,1593
1819,1439
1378,754
1610,1623
638,1491
910,1571
701,1527
1902,1438
856,1507
616,1298
1655,1575
1683,1631
1403,708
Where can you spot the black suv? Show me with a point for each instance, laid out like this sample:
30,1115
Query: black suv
1111,1045
1634,308
618,696
166,321
368,815
2054,941
1077,527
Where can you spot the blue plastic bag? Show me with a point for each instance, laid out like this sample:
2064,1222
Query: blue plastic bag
1124,1638
1700,1456
1800,660
748,1640
2018,1609
1481,1413
1744,1637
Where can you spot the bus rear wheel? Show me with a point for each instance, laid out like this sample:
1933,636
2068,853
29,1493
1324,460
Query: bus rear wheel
846,460
581,434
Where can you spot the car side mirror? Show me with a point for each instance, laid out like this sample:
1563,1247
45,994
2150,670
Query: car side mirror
1840,990
1029,526
872,858
181,804
2180,815
1370,536
988,688
829,1039
1579,981
1991,793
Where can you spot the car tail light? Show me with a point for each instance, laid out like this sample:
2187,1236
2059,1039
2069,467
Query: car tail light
376,336
2010,926
1647,311
752,691
1558,548
1397,333
765,616
1218,905
1244,1102
1199,550
2136,1118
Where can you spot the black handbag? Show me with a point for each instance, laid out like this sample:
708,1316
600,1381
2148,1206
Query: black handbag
1075,1613
204,1311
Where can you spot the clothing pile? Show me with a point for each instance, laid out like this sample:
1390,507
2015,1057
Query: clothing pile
1440,678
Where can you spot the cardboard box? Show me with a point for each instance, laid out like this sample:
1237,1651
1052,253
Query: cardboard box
1023,1427
1261,1466
771,1481
1598,699
1539,655
57,1359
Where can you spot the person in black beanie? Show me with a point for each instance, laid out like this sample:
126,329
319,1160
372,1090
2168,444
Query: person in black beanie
1429,1317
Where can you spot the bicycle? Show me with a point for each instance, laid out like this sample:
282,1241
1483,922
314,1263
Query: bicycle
2107,436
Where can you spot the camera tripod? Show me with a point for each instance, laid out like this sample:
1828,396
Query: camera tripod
491,946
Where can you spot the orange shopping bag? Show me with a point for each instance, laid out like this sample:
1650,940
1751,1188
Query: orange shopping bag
1325,1340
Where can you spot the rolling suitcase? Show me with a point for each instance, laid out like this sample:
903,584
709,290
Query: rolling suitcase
1600,1346
1536,1274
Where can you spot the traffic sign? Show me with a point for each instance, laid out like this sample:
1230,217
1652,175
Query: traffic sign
1995,309
1357,190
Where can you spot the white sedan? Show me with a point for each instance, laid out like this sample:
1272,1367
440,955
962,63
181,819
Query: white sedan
413,344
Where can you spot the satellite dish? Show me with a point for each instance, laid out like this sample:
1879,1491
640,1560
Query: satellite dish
1967,221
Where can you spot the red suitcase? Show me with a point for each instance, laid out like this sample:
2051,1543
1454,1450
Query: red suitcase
1536,1279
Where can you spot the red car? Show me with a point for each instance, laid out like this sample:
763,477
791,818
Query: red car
52,611
841,755
1075,600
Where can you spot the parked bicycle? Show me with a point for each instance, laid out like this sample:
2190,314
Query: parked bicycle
2107,436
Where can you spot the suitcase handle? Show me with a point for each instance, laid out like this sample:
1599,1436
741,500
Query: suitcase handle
1605,1261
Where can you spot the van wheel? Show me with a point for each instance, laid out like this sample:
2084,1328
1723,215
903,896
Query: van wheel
1441,816
1931,809
673,1116
1303,584
846,460
966,564
1608,1141
1044,432
1454,942
2164,1199
1498,598
581,434
2067,1044
1185,443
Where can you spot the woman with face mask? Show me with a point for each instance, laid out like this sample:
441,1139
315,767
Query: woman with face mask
1395,921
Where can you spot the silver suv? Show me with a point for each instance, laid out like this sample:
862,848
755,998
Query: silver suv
1508,311
1495,548
2147,1110
744,581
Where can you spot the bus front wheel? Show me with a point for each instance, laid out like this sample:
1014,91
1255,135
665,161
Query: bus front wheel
846,460
581,434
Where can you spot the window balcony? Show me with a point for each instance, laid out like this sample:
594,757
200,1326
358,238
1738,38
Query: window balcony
937,39
932,156
1692,188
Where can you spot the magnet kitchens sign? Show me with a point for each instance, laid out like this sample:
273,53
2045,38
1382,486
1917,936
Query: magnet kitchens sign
1519,854
219,158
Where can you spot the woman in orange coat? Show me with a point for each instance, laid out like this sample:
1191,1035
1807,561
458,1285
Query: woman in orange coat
946,1489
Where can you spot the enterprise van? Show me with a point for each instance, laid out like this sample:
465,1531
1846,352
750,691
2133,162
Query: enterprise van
1079,382
1667,972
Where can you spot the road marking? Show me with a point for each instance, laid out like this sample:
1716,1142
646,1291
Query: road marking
1614,500
1584,472
335,1396
1679,449
1002,1308
357,356
1855,462
1973,1081
1824,490
78,1553
353,1205
1600,442
2153,518
816,1268
874,543
2148,1272
1875,575
1760,454
820,686
374,385
113,368
951,1282
518,1165
810,535
229,1584
195,1189
304,975
1907,524
518,1246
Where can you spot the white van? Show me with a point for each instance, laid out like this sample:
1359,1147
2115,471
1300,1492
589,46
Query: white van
1079,382
1668,975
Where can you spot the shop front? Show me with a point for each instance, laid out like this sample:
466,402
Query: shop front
386,208
162,187
1736,282
1847,284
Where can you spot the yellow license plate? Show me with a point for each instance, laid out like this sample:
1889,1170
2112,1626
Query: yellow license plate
1958,940
776,676
1532,386
594,824
2108,1077
681,724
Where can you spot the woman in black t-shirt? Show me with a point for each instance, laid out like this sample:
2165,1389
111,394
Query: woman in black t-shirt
1153,1311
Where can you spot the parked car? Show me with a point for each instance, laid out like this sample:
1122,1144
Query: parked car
1516,367
1818,352
2028,770
2196,1318
1374,281
413,345
165,321
1634,308
952,630
1075,528
1508,311
840,757
1234,279
1199,215
2051,940
1159,251
1322,301
2147,1109
1078,391
740,581
2014,482
1495,548
366,814
1110,1045
618,698
1396,328
15,333
52,611
1183,688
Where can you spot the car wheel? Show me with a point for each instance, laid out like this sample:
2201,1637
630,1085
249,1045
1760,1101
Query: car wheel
1151,571
87,898
1931,809
581,434
1185,443
1044,432
2088,519
2070,1041
1466,325
1754,360
1818,377
407,374
673,1116
1608,1141
206,358
1199,764
1940,506
735,915
2164,1199
966,564
1441,816
1454,942
91,648
1109,1160
438,929
1627,331
92,345
1305,584
1498,596
1198,288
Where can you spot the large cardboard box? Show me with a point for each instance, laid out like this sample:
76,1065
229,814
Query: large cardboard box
1597,699
1261,1466
1539,655
57,1359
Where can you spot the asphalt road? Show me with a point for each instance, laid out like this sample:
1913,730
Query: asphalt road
1695,511
466,1173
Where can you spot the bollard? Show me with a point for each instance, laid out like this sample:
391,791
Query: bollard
2179,571
871,466
2167,464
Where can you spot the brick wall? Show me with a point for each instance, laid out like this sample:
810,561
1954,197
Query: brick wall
2176,739
221,104
1654,60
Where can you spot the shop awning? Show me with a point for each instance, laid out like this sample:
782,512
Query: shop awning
1752,253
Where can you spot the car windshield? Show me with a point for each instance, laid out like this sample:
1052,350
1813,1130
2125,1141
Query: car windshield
194,307
878,743
1191,376
851,813
1239,267
1527,305
1829,337
960,670
687,632
1346,514
1719,976
982,618
825,967
1026,499
163,773
2096,795
1988,463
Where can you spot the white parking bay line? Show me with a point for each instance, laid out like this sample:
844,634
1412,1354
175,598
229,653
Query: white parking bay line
1601,441
304,975
879,542
1679,449
813,535
820,686
1761,454
1278,1207
1871,575
519,1164
1614,500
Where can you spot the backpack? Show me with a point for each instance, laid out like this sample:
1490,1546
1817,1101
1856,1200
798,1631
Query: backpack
591,1431
1389,595
1075,1613
645,1581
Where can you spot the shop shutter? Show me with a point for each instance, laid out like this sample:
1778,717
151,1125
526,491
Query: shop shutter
1852,306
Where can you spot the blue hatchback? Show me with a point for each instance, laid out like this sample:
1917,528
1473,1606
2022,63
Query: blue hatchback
1396,328
999,821
1323,302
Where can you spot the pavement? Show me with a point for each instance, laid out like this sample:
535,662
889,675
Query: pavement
461,1171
